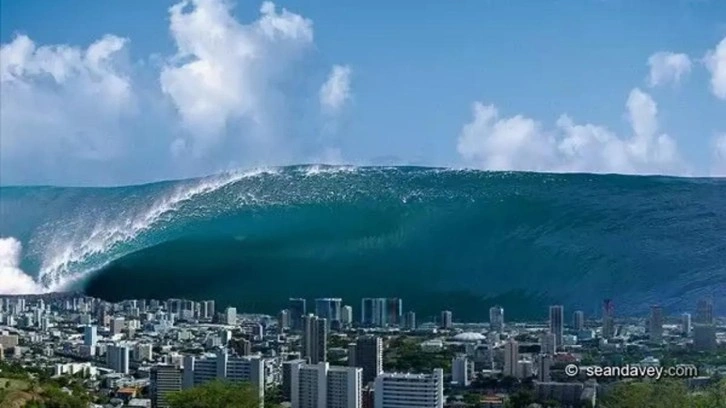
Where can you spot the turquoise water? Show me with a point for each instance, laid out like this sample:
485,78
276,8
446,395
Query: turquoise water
440,239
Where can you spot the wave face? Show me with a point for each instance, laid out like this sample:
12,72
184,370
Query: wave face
440,239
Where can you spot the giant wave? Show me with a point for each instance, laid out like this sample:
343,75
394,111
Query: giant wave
457,239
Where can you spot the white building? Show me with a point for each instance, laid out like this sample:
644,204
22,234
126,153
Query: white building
117,325
395,390
143,352
346,315
198,370
322,386
230,316
117,358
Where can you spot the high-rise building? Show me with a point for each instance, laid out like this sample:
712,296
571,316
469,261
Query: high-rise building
548,343
117,358
324,386
397,390
608,319
283,320
315,339
704,312
346,315
446,320
297,308
368,355
578,320
496,318
410,322
328,308
686,323
557,323
394,312
460,371
117,325
655,324
250,369
90,336
230,316
544,363
381,312
511,357
287,377
207,309
165,380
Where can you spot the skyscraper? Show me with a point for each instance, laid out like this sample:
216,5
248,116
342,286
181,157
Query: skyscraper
90,336
411,320
496,318
446,321
511,357
117,358
394,312
297,309
165,380
315,339
704,312
608,319
287,367
557,313
655,324
328,308
366,312
283,320
578,320
460,371
368,355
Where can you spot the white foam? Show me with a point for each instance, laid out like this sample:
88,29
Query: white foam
13,281
61,254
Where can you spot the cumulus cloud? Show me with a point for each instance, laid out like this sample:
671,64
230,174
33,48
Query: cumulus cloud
13,280
225,71
493,142
716,63
60,100
668,67
719,155
336,90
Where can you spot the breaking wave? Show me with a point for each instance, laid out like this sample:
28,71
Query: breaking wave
439,238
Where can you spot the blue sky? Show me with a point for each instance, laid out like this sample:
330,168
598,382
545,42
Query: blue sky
502,85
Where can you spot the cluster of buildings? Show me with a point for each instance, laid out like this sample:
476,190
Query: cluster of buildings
137,352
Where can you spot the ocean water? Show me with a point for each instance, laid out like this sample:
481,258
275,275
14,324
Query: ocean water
461,240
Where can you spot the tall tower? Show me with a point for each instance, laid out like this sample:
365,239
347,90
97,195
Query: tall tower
655,324
608,319
557,313
315,339
496,318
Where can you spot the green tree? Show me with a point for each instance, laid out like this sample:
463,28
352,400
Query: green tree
216,394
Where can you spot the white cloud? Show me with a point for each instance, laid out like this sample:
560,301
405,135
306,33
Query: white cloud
520,143
336,90
12,279
719,155
668,67
60,100
225,71
716,63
